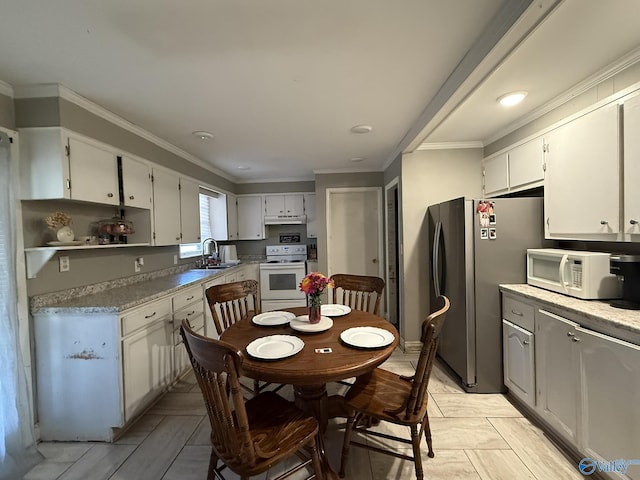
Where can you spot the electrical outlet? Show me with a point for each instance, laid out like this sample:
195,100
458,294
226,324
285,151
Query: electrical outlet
136,266
175,259
64,264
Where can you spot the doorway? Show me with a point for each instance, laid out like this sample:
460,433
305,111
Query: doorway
393,249
354,231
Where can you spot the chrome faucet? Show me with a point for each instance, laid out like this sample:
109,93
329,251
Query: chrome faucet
215,244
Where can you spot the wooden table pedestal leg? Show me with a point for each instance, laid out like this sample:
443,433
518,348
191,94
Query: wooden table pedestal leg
313,400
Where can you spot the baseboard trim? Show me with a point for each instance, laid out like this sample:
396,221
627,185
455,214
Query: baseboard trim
412,347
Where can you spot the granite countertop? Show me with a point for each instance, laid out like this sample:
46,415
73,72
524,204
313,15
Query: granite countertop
114,297
597,311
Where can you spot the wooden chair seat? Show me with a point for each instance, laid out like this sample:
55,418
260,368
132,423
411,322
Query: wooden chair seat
381,394
385,396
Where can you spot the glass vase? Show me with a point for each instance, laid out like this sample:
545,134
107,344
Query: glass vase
314,313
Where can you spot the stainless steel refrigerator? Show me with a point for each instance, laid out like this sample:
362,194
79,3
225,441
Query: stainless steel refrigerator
470,255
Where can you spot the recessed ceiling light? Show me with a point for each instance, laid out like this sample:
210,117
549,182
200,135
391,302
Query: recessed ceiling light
202,135
361,129
513,98
356,159
243,167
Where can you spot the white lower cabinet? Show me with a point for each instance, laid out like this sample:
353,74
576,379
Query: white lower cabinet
187,305
587,384
519,365
556,373
610,391
146,365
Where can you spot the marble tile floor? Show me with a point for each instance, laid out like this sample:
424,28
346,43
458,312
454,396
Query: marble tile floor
475,437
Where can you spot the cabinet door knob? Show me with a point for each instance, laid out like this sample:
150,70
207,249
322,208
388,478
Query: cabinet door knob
569,334
131,197
604,222
633,222
110,195
575,339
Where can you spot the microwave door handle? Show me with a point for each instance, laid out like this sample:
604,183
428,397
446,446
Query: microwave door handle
563,264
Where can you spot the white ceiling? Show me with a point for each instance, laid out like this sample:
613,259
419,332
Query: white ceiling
280,83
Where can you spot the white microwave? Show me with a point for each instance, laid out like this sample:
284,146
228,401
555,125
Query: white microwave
579,274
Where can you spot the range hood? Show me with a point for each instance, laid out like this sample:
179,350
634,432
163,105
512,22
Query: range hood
285,219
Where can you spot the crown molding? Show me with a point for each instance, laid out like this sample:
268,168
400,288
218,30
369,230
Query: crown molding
328,171
274,180
450,145
594,80
6,89
53,90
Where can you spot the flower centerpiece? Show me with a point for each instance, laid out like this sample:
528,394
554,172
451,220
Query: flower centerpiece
60,221
313,285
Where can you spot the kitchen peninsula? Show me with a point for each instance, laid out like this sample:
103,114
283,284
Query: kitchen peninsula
106,352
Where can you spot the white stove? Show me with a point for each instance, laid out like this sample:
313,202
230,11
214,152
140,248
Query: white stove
280,277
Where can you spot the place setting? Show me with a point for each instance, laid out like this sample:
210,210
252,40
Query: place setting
273,319
367,337
275,347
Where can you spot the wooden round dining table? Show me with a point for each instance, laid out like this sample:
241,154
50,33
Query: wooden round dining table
310,369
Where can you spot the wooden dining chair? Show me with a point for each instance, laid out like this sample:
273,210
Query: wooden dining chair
359,292
397,399
247,437
230,303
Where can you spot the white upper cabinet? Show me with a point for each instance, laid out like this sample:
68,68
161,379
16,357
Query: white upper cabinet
136,183
289,205
59,164
232,217
310,212
166,207
526,164
189,211
517,169
250,217
495,173
582,181
632,166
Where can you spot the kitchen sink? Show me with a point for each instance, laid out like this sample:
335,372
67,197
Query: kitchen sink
222,266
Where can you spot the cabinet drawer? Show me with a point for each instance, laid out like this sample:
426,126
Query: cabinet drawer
518,312
189,312
187,296
145,315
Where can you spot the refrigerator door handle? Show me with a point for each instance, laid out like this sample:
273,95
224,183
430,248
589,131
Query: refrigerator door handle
435,261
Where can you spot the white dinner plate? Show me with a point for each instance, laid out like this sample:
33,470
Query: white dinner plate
65,244
334,310
269,319
367,337
302,324
275,347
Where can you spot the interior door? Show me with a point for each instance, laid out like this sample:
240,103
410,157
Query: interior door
354,233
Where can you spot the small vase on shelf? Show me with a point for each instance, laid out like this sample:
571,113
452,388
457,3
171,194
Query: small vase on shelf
65,234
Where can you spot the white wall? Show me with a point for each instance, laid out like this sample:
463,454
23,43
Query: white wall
428,177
